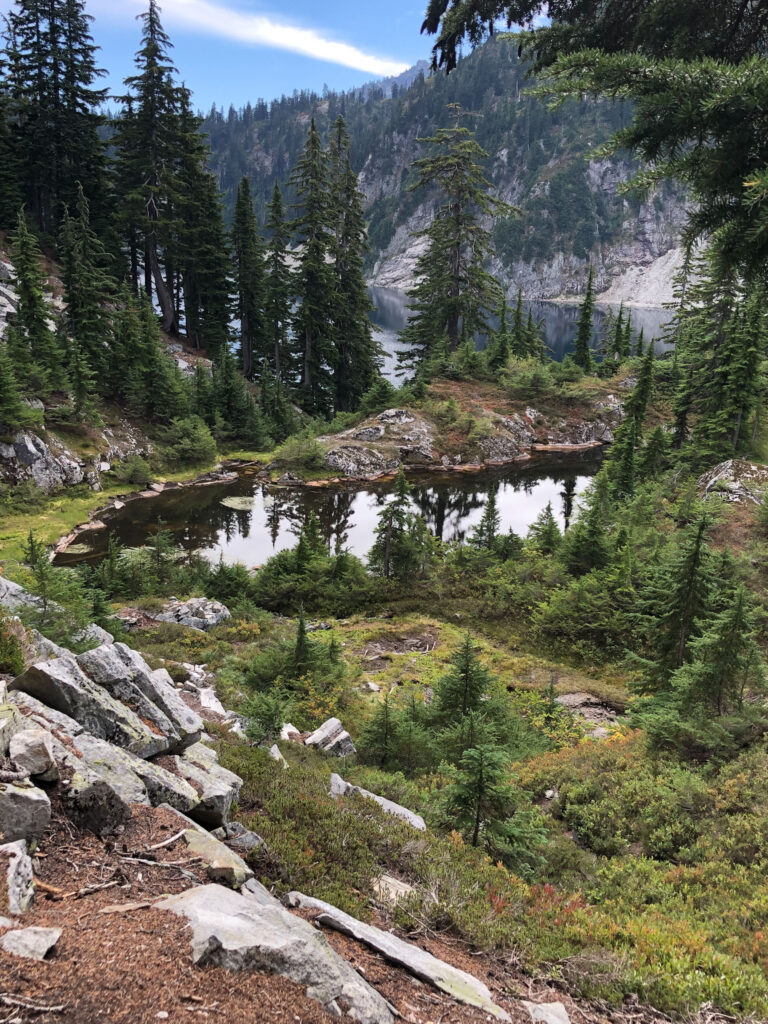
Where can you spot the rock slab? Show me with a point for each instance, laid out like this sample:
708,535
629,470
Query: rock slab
340,788
16,878
455,983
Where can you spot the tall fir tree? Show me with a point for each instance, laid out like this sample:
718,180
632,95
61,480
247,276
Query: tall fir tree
582,352
277,311
454,293
56,101
313,278
250,283
356,361
32,343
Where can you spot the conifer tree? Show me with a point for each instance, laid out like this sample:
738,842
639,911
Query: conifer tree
403,548
88,287
462,689
356,358
640,344
500,347
53,78
32,345
10,397
249,273
637,405
518,328
487,530
623,461
148,149
277,313
314,278
654,455
380,737
479,798
454,293
544,531
582,353
585,547
672,603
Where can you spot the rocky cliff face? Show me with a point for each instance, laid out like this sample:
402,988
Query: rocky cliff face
638,266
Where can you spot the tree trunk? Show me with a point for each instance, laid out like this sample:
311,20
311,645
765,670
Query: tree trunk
164,297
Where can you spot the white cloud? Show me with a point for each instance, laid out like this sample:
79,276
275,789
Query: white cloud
263,30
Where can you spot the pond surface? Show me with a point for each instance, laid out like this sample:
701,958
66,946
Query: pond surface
248,521
558,324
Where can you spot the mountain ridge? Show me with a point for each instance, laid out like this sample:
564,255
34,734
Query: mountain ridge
542,161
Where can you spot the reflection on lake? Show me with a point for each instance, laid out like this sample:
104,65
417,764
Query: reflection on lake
267,519
559,324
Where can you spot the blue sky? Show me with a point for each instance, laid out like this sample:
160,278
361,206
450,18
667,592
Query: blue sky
232,51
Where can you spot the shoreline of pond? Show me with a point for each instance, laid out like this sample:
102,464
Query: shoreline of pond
231,472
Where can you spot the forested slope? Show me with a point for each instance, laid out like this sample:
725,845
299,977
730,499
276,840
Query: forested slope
541,160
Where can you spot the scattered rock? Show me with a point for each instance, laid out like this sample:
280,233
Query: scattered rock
32,750
239,836
340,788
25,811
30,943
547,1013
221,863
210,702
274,753
16,878
158,687
197,613
289,732
332,738
456,983
240,933
391,890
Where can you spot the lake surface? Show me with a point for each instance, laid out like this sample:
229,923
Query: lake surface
267,519
559,324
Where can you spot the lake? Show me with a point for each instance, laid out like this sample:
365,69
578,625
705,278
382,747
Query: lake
266,519
559,324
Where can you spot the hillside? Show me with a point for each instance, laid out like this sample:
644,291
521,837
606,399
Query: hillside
539,160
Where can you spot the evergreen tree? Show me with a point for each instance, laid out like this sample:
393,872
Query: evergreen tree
88,287
10,397
53,74
623,462
654,456
500,347
487,530
582,353
672,604
314,278
251,289
277,312
640,344
454,293
356,360
402,543
463,688
519,341
32,344
544,531
637,405
381,735
148,146
585,547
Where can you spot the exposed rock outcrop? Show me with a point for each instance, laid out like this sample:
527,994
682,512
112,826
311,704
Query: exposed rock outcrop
736,480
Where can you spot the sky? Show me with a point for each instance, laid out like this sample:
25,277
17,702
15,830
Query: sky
233,51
